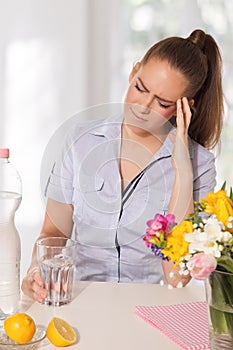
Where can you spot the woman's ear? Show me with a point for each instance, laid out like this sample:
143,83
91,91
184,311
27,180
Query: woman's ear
134,71
191,103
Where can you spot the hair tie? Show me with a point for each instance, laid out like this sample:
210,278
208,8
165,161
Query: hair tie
197,37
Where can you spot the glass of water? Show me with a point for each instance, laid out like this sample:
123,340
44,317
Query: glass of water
55,256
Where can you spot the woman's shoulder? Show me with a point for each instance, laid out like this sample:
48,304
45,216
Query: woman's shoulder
196,150
99,126
204,169
201,156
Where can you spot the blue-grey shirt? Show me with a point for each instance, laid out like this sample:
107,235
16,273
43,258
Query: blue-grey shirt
110,244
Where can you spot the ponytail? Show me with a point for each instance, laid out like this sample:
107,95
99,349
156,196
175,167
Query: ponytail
207,119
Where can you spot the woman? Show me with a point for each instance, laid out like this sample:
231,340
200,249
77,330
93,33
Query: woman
116,174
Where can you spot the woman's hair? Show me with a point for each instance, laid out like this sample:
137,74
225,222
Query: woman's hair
198,58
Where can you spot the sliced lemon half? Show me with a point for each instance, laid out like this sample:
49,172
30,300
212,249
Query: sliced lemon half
60,332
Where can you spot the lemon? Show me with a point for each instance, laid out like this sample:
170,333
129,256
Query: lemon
60,332
20,327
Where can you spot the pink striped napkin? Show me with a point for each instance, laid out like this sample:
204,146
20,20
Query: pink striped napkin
185,324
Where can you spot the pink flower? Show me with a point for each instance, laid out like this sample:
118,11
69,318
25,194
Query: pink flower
147,239
157,229
160,223
201,265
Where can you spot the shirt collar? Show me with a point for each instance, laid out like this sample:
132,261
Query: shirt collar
111,129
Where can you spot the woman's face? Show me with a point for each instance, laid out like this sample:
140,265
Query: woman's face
152,95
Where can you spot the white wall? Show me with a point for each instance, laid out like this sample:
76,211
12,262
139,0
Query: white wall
58,57
49,51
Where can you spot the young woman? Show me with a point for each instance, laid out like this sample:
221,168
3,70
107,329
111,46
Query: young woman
116,174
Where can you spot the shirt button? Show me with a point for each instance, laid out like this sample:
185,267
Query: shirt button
113,226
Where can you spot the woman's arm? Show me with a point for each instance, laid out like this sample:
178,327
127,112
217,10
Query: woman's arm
181,202
57,222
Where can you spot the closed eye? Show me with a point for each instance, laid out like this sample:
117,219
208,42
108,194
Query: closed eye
164,106
138,87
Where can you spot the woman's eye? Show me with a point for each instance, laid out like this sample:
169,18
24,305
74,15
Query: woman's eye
138,87
164,106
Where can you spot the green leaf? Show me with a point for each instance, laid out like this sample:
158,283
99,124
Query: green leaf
223,186
218,320
231,194
225,263
218,301
222,302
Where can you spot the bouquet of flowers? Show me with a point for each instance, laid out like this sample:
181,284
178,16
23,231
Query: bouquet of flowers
200,245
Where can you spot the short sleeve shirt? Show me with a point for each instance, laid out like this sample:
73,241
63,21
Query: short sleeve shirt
86,175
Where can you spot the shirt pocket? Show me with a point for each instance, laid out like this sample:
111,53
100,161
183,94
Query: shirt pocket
86,198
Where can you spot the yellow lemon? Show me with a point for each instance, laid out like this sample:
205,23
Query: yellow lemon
20,327
60,332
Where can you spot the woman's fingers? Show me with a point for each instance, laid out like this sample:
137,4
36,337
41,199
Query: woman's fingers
39,293
33,285
38,279
180,156
184,115
38,287
187,112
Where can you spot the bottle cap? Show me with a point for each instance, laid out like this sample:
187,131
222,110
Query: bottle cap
4,152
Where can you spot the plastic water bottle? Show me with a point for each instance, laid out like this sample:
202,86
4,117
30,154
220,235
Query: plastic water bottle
10,248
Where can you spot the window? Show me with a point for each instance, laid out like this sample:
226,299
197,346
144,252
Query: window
148,21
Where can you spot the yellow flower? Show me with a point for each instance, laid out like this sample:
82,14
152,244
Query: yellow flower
177,246
154,240
219,204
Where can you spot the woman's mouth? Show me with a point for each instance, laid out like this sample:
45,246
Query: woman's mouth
138,117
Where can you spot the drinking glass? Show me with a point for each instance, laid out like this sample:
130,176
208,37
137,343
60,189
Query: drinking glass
55,256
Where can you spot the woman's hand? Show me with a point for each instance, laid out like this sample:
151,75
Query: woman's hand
184,115
172,275
183,118
33,285
181,202
57,222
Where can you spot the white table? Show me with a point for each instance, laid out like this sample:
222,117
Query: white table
103,315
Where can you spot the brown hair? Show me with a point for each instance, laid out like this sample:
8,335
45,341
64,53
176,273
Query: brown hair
199,59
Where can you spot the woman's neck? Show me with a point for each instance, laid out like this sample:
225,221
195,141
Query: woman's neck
152,142
137,149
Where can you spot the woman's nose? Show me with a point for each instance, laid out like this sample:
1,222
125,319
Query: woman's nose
146,104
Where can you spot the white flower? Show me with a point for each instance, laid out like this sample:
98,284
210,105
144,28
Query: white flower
226,236
214,228
217,253
187,257
182,265
206,240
